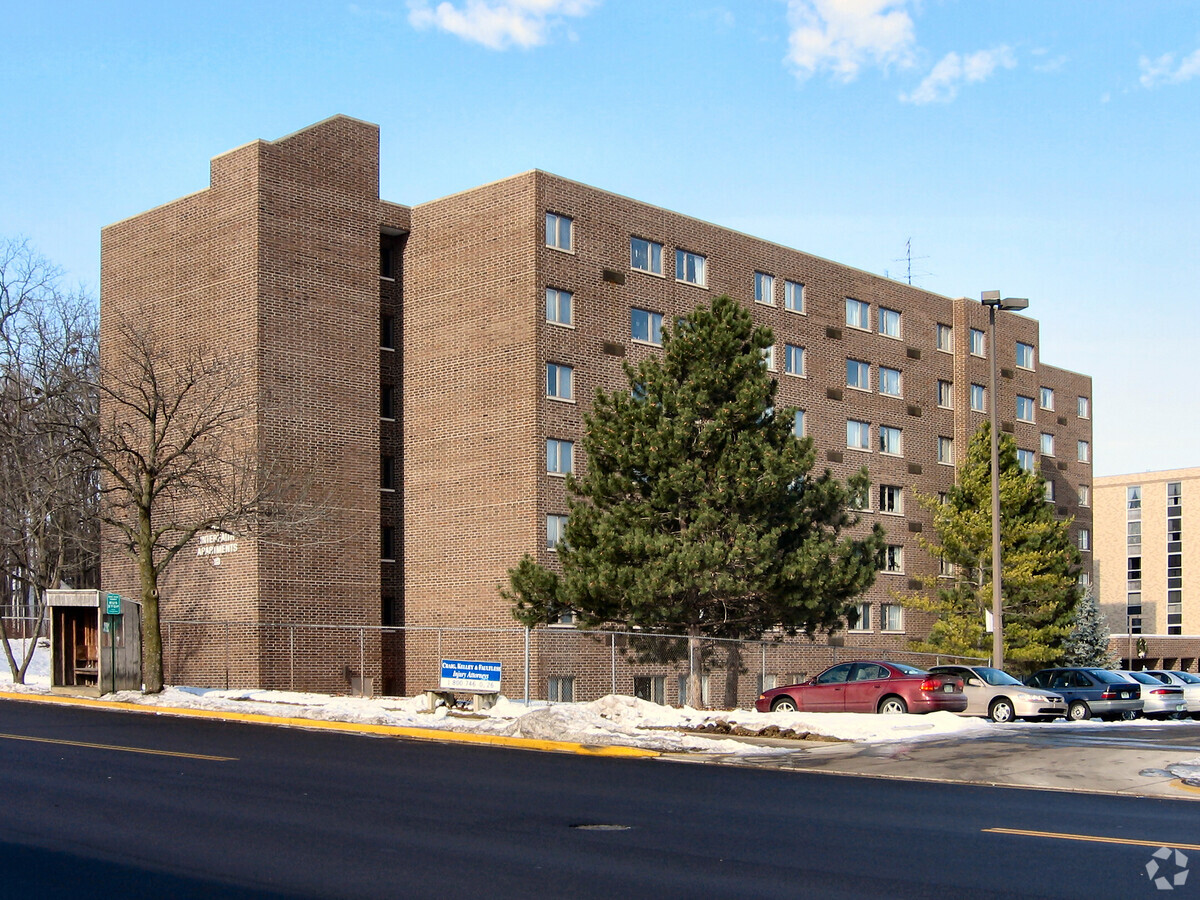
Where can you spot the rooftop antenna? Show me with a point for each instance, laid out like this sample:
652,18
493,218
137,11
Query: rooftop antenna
908,258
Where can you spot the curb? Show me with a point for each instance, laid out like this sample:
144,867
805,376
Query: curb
419,734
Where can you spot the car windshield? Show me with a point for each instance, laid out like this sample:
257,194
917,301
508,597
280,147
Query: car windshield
908,670
995,676
1105,676
1187,677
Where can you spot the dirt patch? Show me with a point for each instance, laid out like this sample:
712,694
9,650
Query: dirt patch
720,726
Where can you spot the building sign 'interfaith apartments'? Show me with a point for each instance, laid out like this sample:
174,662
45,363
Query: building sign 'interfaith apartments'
432,365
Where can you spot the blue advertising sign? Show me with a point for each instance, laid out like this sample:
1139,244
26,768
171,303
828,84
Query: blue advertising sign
470,675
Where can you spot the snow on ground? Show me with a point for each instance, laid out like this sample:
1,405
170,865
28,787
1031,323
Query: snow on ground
611,720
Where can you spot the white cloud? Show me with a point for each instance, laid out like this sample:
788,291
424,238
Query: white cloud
498,24
1163,70
841,36
943,81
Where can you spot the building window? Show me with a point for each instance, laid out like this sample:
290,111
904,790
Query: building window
392,615
945,394
798,423
558,232
559,381
1083,451
768,355
793,296
1047,398
793,359
1085,578
1082,407
1025,460
893,559
891,617
556,531
387,265
387,332
560,688
1133,497
387,473
1049,491
978,347
1024,355
945,338
858,375
690,268
860,619
646,326
945,451
858,435
891,499
858,314
1024,408
764,288
558,306
645,256
890,440
560,457
387,402
1047,444
387,543
651,688
683,690
1085,495
889,322
946,569
978,398
889,381
1085,539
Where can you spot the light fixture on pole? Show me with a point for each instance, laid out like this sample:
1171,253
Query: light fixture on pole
991,299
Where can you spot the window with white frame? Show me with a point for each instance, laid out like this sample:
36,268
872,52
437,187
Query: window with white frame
893,559
793,361
683,690
798,423
889,381
1083,451
559,381
1085,539
978,343
1049,491
690,268
945,338
558,306
946,569
978,398
891,617
1047,444
556,531
945,450
891,440
858,375
793,296
1081,407
645,326
1085,495
560,457
861,618
645,256
891,499
889,322
764,288
858,314
945,391
768,355
1085,578
1046,398
1024,408
1025,460
858,435
560,688
1024,355
558,232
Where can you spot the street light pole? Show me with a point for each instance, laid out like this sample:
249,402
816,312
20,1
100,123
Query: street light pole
991,299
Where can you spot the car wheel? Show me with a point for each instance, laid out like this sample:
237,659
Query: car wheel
1078,711
784,704
892,706
1001,710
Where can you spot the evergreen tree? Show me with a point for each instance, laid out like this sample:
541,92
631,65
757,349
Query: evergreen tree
698,512
1087,644
1041,564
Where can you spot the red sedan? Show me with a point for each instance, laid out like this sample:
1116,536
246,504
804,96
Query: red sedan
870,687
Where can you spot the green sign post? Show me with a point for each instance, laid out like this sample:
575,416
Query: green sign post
112,604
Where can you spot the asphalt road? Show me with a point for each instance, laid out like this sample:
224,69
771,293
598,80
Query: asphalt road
100,804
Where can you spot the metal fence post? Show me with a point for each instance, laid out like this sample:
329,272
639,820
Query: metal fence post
226,656
612,658
527,630
291,657
762,685
362,672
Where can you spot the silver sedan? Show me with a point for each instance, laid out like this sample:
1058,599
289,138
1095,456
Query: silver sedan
1189,681
996,694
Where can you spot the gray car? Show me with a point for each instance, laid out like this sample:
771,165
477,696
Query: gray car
1091,692
1189,681
1002,698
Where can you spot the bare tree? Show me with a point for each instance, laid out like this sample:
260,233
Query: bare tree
48,525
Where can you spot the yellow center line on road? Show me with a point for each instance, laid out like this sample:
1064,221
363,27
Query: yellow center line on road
1133,842
41,740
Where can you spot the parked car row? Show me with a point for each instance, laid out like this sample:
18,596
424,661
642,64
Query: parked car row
1073,693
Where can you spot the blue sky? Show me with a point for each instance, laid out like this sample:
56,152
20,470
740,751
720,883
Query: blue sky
1050,150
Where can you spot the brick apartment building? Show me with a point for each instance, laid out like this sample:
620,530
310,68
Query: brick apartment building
433,365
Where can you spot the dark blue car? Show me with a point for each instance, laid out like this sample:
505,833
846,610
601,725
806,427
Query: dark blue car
1091,692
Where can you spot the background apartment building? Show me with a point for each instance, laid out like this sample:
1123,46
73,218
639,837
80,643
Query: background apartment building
1146,567
435,364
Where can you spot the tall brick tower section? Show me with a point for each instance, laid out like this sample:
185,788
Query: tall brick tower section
276,262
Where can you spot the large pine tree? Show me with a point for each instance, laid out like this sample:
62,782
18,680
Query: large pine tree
698,511
1040,563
